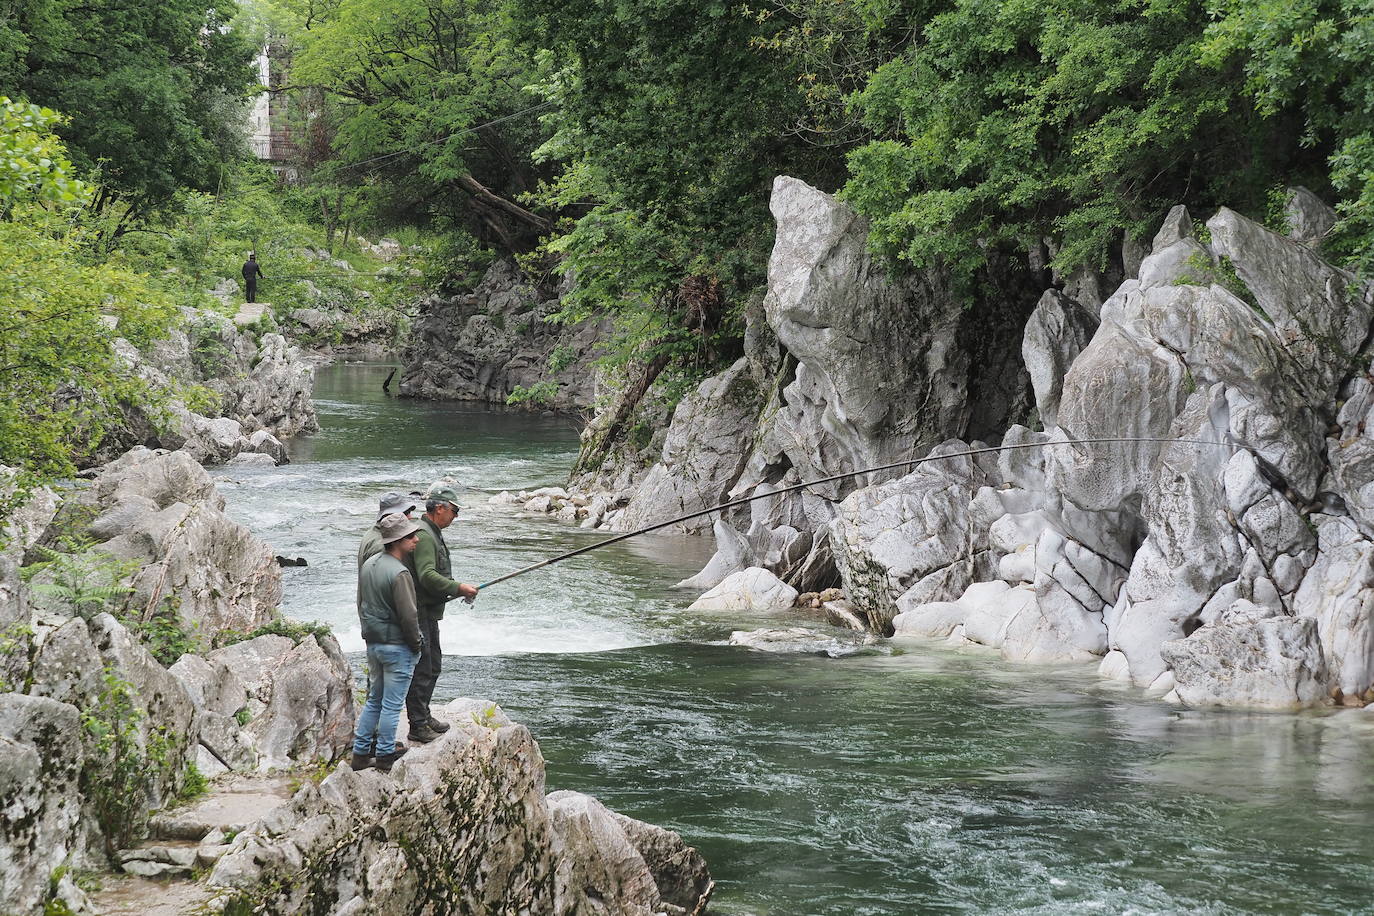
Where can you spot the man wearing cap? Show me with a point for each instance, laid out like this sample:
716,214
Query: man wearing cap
387,612
434,587
372,541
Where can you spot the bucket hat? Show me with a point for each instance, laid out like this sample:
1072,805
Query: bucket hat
396,526
398,503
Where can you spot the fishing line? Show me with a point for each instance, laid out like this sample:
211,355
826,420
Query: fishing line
910,462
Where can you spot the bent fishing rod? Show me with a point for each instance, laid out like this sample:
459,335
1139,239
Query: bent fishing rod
911,462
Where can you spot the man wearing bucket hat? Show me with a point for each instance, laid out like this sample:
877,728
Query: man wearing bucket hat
434,587
387,612
372,541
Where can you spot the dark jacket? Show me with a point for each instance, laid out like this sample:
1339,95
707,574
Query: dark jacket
386,603
434,583
251,270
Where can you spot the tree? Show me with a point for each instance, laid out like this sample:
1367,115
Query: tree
62,384
1004,123
157,89
427,104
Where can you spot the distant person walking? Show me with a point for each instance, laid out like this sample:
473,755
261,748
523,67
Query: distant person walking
387,612
251,271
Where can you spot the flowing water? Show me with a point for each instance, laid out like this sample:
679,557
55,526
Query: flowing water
924,781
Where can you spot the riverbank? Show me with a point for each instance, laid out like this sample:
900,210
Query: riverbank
921,781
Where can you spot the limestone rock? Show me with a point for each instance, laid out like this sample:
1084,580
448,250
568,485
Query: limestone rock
40,768
19,531
368,842
914,533
1338,593
162,700
276,395
778,550
1310,219
167,519
702,455
300,697
1275,663
751,589
484,344
1056,333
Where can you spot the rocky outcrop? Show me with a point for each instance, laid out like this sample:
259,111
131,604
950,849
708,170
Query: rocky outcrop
483,345
847,368
255,391
40,769
160,529
1222,553
460,825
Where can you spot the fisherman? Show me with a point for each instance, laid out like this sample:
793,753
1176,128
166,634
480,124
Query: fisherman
390,625
435,587
372,541
251,272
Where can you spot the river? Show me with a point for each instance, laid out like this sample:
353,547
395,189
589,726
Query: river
926,780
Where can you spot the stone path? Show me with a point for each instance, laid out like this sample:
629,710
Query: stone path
157,878
250,312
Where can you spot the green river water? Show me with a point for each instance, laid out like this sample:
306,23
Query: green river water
923,781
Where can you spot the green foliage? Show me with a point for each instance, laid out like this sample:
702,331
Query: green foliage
424,112
194,784
163,633
154,91
88,581
119,761
538,395
61,383
295,630
243,717
561,358
672,120
33,162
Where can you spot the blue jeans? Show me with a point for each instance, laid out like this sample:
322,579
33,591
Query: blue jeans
389,668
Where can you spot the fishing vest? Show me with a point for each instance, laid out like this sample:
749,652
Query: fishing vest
431,604
376,610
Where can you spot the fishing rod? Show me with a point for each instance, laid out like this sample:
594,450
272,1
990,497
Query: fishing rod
834,477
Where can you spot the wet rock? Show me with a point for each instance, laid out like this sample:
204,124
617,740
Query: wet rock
1274,663
802,641
751,589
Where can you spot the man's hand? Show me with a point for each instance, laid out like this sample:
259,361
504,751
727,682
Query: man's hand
467,592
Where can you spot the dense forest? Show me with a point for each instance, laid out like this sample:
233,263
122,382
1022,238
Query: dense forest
633,144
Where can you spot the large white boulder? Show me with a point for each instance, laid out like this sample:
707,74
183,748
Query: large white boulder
1272,663
752,589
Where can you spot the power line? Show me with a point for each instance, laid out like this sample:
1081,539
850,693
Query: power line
466,130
